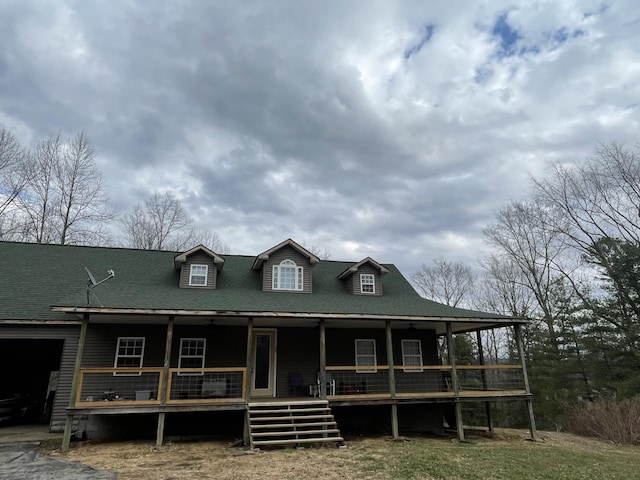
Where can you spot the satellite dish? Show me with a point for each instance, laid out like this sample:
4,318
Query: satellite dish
92,283
92,279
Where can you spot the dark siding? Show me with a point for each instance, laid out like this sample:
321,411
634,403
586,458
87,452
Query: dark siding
298,352
102,339
341,345
285,253
199,258
366,269
67,362
225,346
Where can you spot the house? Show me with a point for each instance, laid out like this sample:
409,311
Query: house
196,342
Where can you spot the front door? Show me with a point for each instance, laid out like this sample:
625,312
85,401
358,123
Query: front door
264,363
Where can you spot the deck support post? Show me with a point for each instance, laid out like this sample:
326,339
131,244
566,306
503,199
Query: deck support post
517,329
451,354
162,394
323,361
73,395
249,380
483,373
392,381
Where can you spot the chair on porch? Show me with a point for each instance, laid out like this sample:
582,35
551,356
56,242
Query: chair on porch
330,384
296,384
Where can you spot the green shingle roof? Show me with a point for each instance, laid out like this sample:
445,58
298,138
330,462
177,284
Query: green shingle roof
34,277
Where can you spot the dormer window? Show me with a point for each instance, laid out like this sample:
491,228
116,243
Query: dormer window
198,275
367,283
287,276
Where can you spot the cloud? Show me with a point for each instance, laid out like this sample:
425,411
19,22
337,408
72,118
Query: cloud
394,130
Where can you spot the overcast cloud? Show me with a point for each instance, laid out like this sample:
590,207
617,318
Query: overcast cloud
367,128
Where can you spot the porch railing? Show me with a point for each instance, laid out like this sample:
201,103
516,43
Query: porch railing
112,387
109,387
428,380
199,385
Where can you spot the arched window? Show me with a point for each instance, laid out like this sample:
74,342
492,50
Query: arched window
287,276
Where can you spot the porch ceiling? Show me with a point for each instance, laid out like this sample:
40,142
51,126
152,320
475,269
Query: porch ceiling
262,320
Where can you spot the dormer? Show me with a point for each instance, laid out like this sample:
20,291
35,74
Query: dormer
364,277
199,267
286,268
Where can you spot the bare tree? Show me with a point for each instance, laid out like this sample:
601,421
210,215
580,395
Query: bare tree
13,174
64,201
162,223
446,282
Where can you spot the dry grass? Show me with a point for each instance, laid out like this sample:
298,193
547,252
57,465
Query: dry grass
505,455
616,421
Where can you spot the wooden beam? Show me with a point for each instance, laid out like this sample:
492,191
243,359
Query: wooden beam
164,382
483,373
73,395
249,379
392,380
451,354
519,341
323,360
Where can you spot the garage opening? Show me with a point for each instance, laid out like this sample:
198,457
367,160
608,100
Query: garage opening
28,379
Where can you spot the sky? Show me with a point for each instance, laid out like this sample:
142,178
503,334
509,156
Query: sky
389,129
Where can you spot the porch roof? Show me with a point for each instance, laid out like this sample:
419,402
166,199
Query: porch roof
34,278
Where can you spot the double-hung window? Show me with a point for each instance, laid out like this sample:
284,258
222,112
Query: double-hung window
412,355
129,353
367,283
366,356
198,275
287,276
192,351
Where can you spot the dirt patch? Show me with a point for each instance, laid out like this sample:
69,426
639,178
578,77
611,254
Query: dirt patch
364,457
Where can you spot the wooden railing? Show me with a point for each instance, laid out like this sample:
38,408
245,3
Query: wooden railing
112,387
425,381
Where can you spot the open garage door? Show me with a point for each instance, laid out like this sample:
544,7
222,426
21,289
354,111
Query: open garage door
28,379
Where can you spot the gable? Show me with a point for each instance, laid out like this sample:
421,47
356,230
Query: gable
198,258
276,258
355,279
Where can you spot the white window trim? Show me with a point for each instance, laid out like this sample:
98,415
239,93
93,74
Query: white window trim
118,356
372,283
191,275
202,357
366,368
411,368
276,276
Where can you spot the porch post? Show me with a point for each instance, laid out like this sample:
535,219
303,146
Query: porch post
73,395
249,378
323,360
162,394
392,380
451,354
525,376
483,373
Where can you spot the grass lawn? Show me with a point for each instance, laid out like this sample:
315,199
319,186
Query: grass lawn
506,455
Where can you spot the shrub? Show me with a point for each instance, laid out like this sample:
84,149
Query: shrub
613,420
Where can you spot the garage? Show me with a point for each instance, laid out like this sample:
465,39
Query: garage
29,379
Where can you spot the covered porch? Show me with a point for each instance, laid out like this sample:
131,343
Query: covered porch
293,357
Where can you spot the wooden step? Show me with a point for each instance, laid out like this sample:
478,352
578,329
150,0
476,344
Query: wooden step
287,403
296,410
322,433
296,425
299,440
305,417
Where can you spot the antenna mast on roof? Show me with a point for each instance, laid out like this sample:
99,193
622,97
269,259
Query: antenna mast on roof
91,284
